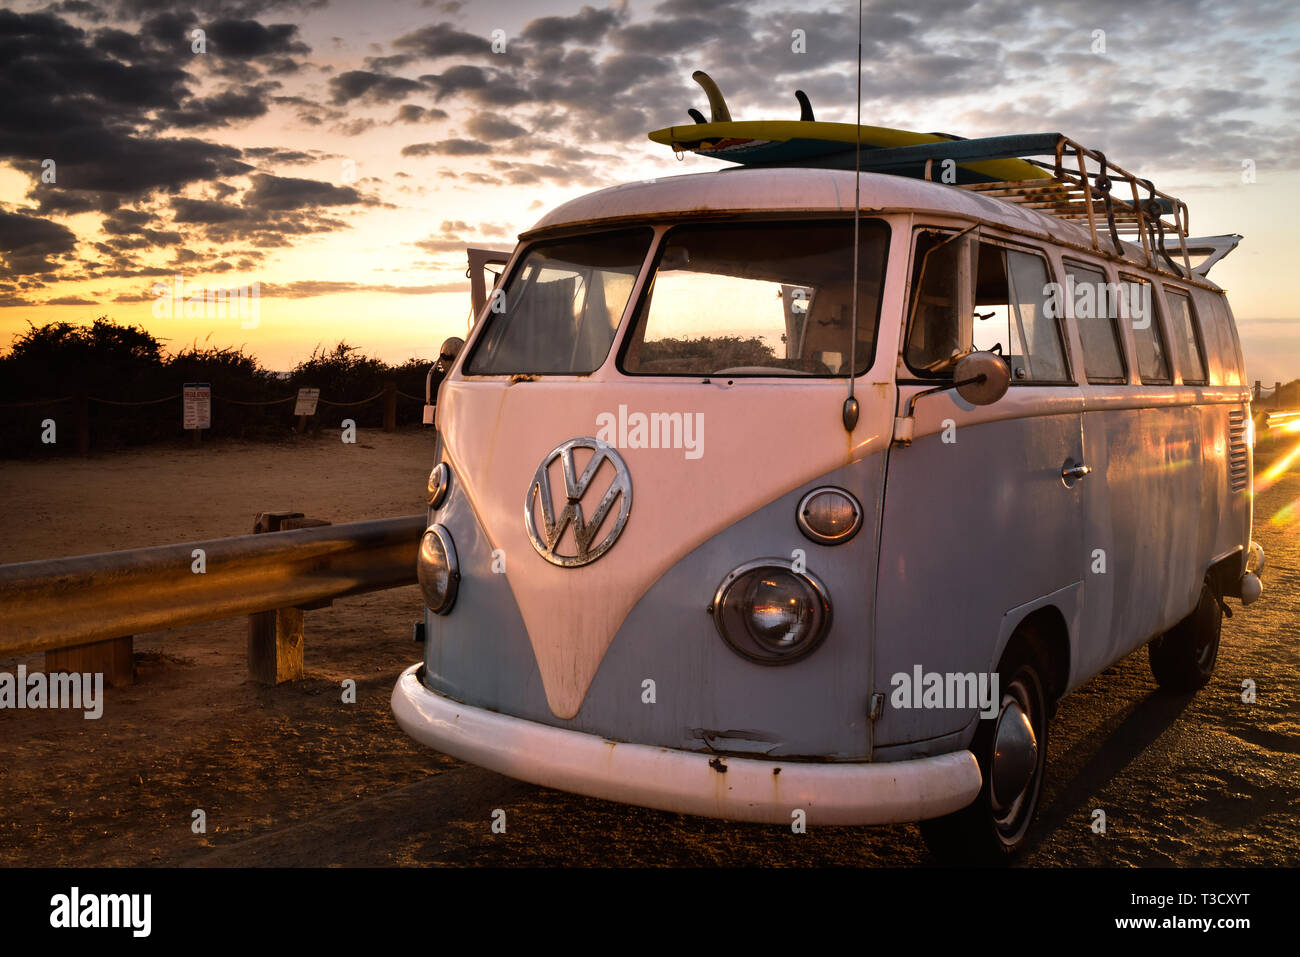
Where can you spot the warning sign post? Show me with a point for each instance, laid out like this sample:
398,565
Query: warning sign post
197,404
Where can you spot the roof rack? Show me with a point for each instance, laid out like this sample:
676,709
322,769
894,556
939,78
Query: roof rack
1079,185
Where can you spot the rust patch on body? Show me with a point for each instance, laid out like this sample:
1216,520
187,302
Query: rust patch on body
718,765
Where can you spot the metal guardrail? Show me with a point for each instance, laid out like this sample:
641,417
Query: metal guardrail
62,602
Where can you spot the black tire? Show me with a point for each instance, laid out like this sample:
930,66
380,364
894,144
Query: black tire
1183,658
987,832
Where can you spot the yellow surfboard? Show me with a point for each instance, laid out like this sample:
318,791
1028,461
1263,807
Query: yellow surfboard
813,143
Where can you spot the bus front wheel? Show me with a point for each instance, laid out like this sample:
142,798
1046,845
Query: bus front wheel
1012,752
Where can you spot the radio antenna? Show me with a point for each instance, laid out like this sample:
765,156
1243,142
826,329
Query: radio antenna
850,412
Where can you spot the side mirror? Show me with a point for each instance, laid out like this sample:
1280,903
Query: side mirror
450,350
446,356
981,378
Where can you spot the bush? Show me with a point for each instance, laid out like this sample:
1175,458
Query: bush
126,364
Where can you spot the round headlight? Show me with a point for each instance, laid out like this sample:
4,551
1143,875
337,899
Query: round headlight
439,482
437,570
829,515
770,613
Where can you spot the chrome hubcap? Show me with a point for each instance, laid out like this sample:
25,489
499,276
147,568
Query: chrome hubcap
1015,757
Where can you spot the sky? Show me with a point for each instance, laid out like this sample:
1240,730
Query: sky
341,155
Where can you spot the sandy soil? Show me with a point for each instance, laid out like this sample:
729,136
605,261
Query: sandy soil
292,775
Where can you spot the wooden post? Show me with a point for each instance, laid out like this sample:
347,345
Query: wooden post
275,646
1256,390
81,407
275,638
390,406
114,658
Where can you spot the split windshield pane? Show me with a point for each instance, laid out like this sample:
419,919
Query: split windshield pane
559,311
771,299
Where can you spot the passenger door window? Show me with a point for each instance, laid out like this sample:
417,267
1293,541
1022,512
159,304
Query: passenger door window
1139,309
1095,306
1012,316
1187,338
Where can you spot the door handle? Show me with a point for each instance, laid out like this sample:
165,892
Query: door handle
1071,473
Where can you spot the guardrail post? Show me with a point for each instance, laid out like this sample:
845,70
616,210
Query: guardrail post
390,406
114,658
275,638
81,414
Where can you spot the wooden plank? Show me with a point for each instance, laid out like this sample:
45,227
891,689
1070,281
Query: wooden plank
114,658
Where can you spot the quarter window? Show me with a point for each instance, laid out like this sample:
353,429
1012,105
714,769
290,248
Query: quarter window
1187,338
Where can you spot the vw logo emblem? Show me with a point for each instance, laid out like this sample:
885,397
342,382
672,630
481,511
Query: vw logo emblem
547,538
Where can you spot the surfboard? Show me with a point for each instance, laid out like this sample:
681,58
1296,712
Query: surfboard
811,143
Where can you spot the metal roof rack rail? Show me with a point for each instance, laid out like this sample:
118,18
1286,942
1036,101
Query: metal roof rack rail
1080,185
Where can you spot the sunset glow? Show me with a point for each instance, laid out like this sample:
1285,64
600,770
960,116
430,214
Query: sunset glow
341,157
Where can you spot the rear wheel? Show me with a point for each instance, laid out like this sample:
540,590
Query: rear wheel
1012,753
1183,658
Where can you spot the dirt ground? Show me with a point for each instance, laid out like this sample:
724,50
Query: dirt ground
294,776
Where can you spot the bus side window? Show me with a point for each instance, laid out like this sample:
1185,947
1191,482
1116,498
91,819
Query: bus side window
1138,307
1187,338
1012,314
1095,306
1220,360
1234,372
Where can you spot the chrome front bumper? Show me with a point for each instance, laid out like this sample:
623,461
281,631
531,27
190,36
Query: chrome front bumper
686,782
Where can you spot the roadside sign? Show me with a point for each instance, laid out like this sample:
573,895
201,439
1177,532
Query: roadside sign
197,405
306,404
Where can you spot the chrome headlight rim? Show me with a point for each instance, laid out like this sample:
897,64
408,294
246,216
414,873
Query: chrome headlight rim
439,484
443,537
719,608
822,539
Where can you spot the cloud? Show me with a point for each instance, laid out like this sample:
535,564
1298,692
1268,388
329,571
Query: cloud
310,288
245,39
440,40
378,87
28,244
411,113
201,211
451,147
290,193
219,110
497,87
489,126
588,26
286,157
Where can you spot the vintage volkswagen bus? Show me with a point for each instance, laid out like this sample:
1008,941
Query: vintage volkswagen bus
671,563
